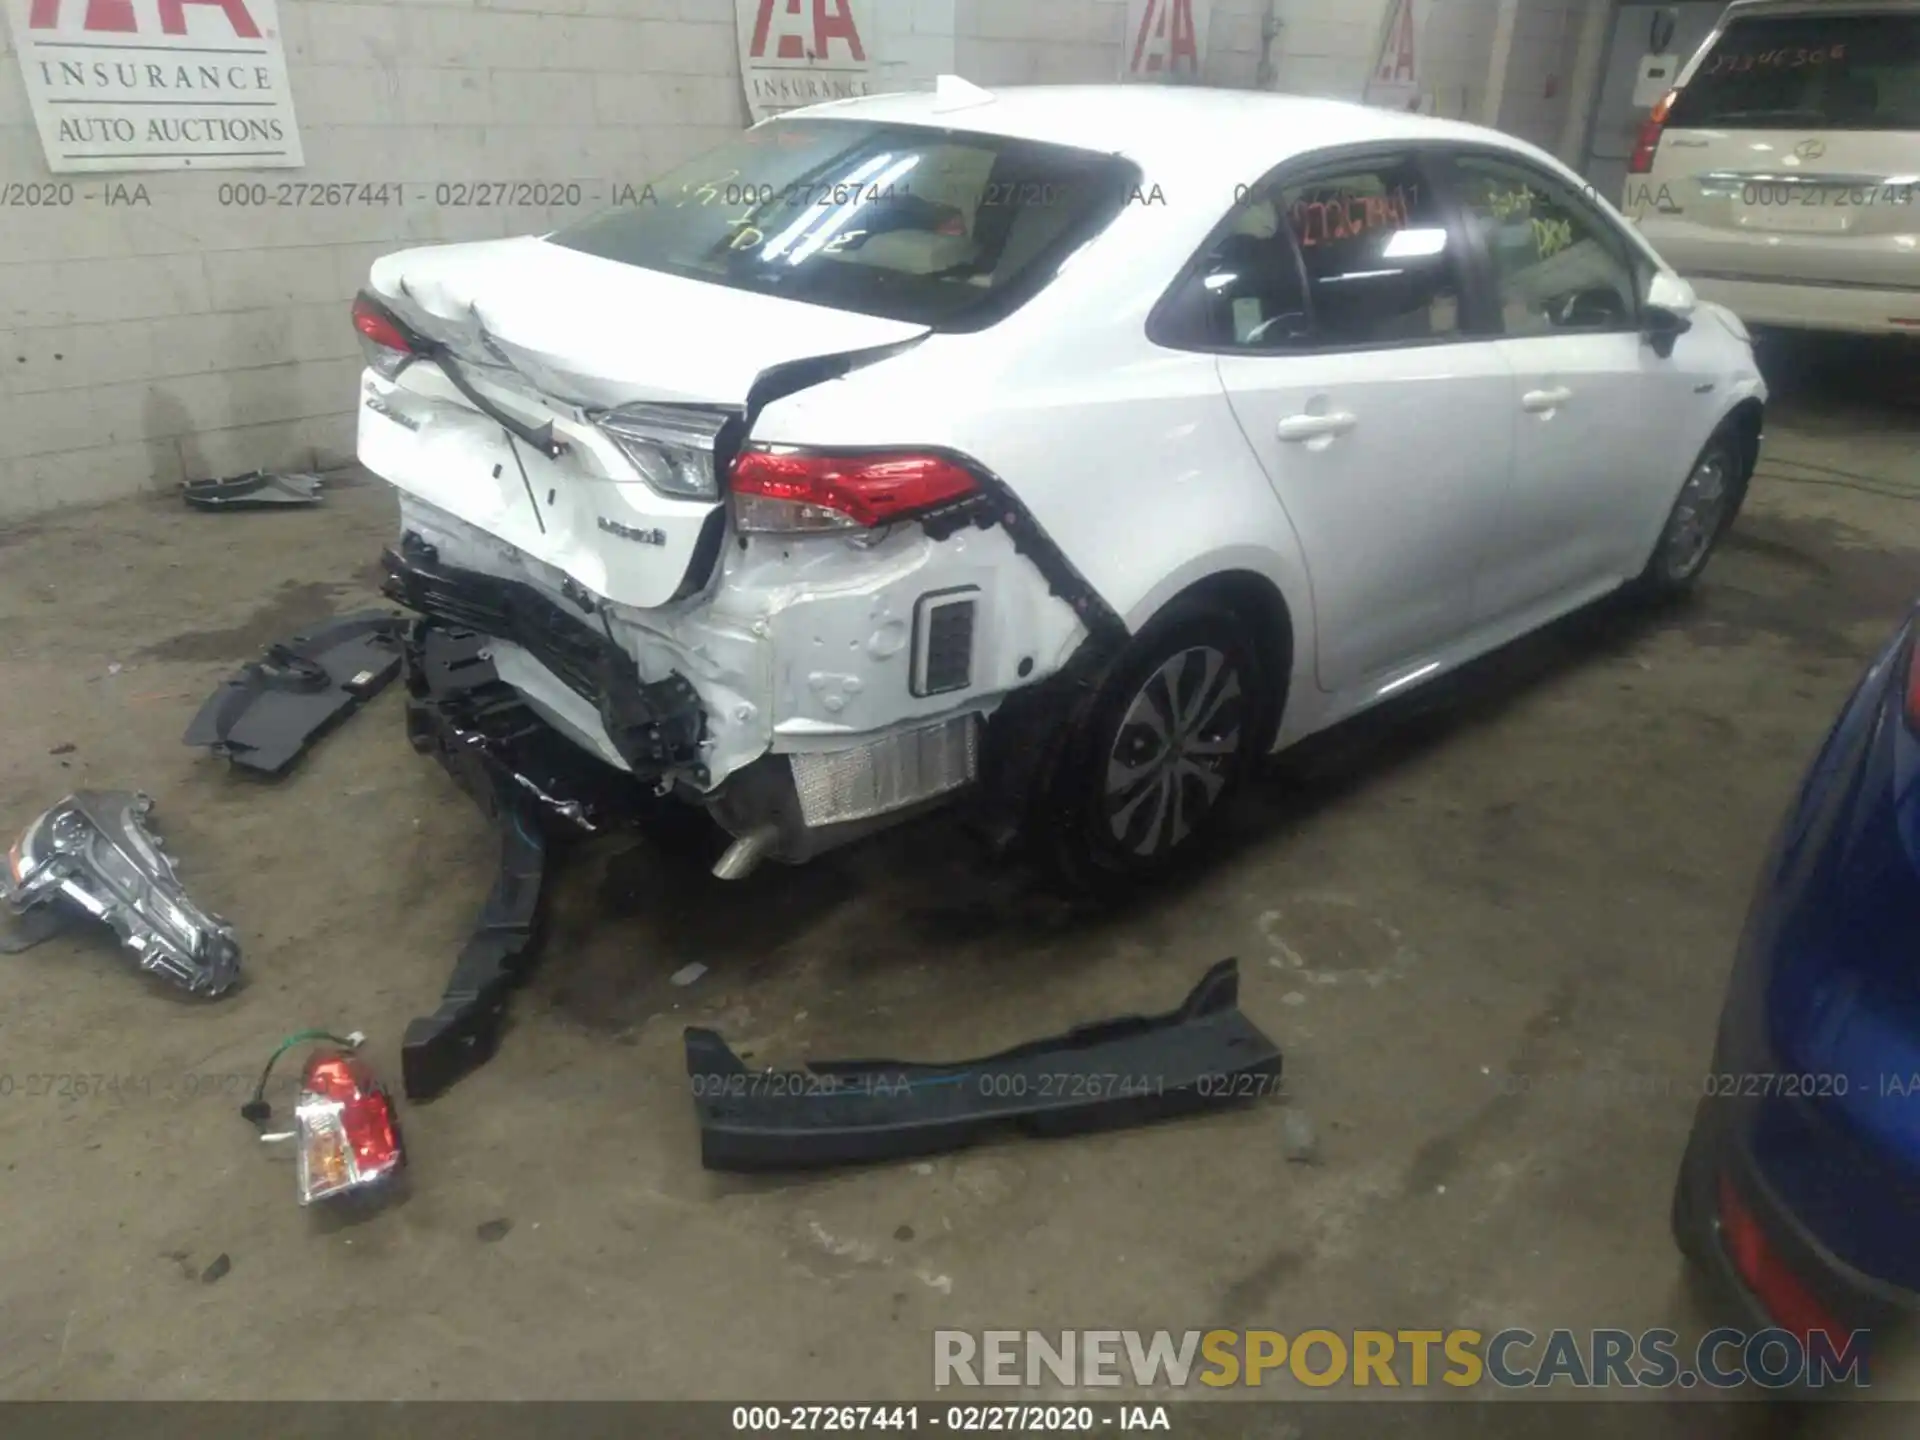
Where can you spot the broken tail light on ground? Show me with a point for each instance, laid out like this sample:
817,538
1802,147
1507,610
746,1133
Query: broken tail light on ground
777,490
344,1129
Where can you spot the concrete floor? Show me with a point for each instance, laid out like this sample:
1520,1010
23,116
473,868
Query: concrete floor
1539,872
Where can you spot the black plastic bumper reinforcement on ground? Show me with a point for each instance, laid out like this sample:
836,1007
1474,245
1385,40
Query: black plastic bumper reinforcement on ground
539,788
266,716
464,1031
657,726
1113,1073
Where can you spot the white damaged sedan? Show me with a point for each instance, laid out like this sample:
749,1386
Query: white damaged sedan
1061,449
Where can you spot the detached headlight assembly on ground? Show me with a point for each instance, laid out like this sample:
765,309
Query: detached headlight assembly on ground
92,854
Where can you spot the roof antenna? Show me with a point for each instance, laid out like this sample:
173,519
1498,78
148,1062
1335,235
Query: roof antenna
950,92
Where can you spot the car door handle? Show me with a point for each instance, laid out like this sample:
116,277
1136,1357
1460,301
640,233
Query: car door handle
1311,427
1538,400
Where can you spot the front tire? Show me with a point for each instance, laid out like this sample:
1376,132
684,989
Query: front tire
1709,499
1156,755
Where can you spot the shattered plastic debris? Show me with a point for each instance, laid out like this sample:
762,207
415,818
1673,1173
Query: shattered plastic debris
255,490
1298,1142
687,974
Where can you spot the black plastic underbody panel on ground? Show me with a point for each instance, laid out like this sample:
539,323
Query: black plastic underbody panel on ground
1113,1073
275,707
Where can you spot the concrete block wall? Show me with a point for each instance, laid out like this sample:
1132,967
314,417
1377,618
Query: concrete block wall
140,345
1540,66
1064,42
1322,47
193,335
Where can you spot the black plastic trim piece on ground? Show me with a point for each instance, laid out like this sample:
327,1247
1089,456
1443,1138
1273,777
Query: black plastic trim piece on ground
255,490
266,715
1113,1073
463,1033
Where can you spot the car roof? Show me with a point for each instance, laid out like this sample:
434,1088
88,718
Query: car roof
1165,129
1822,8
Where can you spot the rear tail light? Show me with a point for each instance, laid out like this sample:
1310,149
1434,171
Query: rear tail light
385,344
344,1128
1641,161
1913,681
788,491
670,446
1786,1299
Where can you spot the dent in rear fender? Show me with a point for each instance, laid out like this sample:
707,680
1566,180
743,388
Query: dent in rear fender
839,614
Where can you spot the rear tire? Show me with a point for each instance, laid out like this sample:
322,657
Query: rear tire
1709,499
1154,757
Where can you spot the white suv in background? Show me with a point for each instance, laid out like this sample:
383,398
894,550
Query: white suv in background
1782,174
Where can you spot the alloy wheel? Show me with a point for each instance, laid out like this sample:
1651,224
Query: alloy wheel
1697,517
1175,750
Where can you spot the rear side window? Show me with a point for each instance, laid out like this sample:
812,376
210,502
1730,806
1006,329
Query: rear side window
1380,263
937,227
1830,72
1351,257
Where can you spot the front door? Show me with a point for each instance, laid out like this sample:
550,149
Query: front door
1382,424
1596,414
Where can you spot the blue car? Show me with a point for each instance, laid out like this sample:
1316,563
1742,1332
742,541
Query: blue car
1800,1189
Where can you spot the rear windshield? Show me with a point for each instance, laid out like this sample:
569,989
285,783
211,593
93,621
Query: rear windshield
1828,72
937,227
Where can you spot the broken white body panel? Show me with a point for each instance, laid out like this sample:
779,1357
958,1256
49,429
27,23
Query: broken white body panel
788,662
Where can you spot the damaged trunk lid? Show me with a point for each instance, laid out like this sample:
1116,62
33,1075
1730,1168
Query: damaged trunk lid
580,409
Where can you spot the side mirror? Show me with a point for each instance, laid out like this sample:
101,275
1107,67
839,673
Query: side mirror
1667,312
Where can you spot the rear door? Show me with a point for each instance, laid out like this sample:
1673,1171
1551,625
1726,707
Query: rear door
1790,152
1599,420
1382,421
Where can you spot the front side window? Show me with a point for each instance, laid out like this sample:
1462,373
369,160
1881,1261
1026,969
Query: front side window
1556,268
932,226
1380,266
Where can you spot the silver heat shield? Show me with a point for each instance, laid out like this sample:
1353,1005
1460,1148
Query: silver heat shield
890,772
